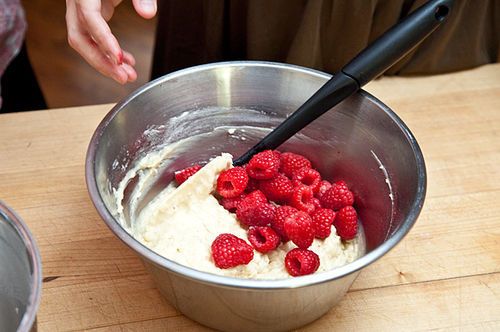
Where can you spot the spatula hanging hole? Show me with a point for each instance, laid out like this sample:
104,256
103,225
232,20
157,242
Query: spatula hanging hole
441,12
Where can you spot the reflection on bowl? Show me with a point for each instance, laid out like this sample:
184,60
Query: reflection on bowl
20,274
361,141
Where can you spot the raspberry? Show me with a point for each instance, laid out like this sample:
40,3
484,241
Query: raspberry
256,214
341,183
323,187
298,228
337,196
263,166
255,197
232,204
282,212
232,182
316,203
263,238
308,177
322,220
252,185
290,162
230,251
302,199
183,174
279,189
299,262
346,223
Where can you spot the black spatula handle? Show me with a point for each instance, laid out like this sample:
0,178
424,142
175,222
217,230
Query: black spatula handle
367,65
397,41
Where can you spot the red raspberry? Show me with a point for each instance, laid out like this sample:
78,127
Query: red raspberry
308,177
230,251
232,182
337,196
252,185
290,162
257,214
263,238
323,187
263,166
183,174
299,262
346,223
278,223
278,189
232,204
298,228
316,203
302,199
322,220
341,183
255,197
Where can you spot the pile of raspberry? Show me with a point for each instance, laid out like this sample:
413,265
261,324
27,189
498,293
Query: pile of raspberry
280,197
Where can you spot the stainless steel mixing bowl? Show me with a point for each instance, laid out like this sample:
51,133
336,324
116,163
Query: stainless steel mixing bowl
361,141
20,274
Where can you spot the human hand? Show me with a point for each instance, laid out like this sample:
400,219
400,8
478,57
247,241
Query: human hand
89,34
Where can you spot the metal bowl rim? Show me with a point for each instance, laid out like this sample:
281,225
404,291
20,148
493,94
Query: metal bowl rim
209,278
22,230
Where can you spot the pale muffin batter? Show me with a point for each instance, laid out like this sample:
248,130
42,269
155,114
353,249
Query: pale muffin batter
181,223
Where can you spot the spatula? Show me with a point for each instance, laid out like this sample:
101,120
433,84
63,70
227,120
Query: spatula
367,65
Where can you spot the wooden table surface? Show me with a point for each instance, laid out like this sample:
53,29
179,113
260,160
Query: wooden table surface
444,275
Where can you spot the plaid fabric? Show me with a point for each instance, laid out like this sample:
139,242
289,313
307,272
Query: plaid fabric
12,29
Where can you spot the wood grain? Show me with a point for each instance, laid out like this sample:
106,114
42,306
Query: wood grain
445,275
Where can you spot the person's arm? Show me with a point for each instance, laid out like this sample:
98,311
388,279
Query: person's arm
89,34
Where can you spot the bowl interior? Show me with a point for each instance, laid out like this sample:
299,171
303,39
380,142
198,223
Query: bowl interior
360,141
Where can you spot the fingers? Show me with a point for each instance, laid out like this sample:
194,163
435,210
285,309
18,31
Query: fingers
145,8
128,58
90,36
93,55
130,72
128,66
89,14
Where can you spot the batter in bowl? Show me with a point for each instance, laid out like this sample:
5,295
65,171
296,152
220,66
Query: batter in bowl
180,223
